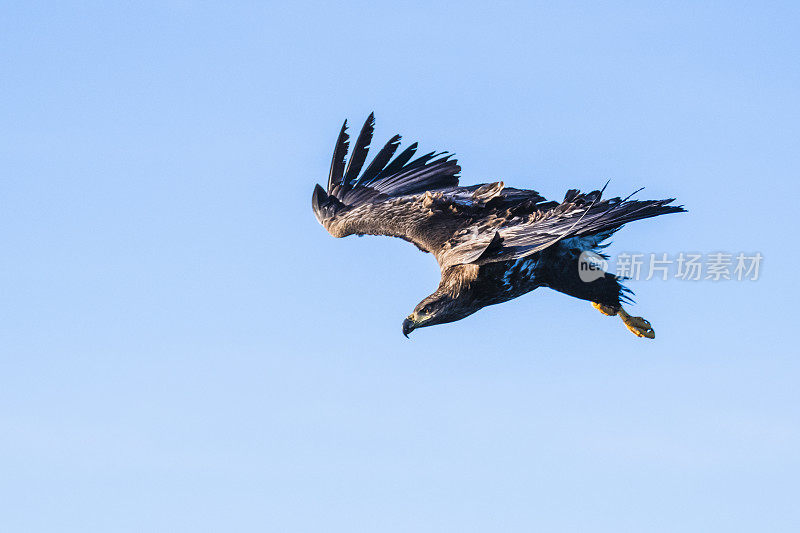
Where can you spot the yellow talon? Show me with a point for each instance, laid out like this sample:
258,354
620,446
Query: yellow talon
638,325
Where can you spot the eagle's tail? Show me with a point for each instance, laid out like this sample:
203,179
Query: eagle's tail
604,217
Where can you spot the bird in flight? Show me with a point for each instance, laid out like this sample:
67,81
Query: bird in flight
493,243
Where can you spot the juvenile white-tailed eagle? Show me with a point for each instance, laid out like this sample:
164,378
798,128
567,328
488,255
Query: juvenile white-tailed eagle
493,243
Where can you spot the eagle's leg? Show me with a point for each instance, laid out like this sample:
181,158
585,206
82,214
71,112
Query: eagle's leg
636,324
607,310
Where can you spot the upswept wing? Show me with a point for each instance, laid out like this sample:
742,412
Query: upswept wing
384,199
418,200
385,178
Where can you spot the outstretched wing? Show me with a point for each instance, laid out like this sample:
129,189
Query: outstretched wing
388,197
579,215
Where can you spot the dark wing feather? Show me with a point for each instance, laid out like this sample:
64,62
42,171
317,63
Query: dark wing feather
360,151
379,162
424,177
337,163
399,162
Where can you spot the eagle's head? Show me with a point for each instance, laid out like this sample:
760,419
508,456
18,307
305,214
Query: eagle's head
439,308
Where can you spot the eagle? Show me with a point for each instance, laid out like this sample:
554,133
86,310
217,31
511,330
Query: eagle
493,243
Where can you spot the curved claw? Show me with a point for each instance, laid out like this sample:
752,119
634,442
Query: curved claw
637,325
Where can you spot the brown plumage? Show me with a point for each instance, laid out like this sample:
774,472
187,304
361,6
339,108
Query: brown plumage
492,242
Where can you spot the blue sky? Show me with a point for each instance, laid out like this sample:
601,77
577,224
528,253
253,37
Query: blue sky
184,348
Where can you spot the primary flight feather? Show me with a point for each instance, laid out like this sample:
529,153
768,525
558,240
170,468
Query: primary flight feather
493,243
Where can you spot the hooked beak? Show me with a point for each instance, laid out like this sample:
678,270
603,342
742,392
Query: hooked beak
408,326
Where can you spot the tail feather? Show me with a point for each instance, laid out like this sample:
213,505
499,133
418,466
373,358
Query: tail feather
612,215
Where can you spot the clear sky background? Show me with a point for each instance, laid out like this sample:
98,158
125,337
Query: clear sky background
184,348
